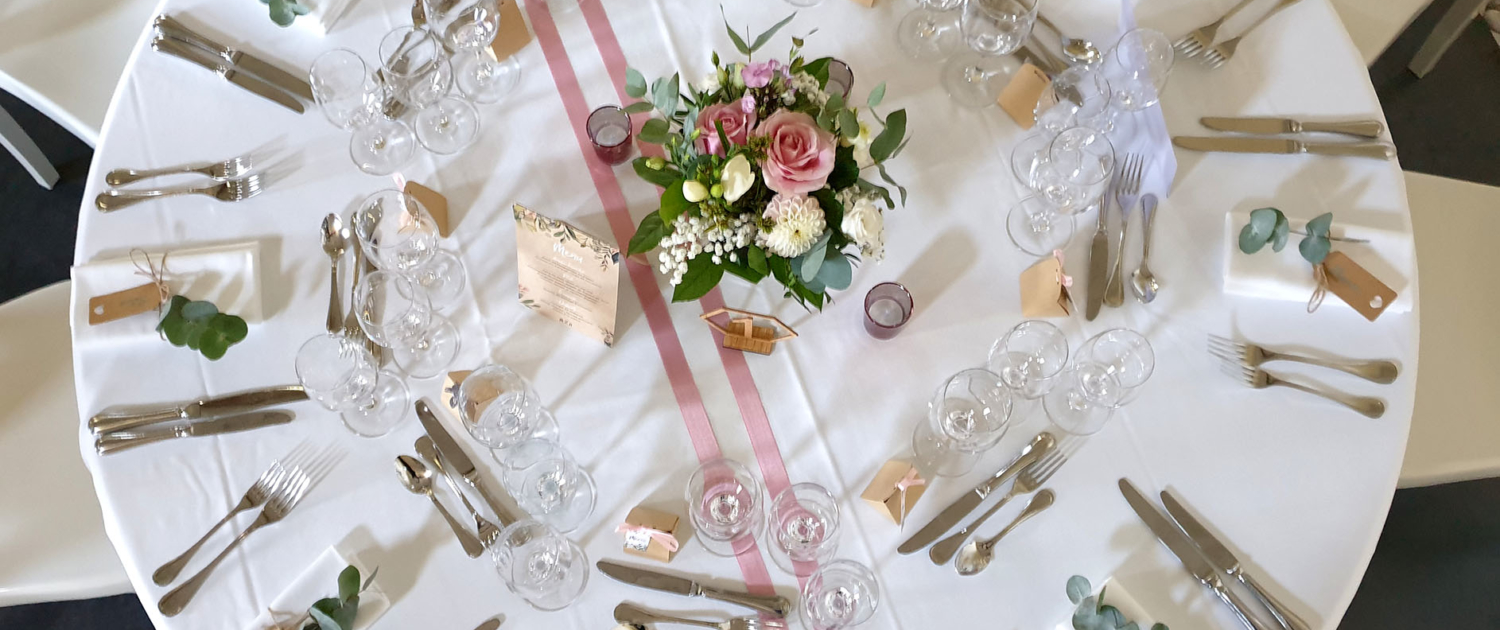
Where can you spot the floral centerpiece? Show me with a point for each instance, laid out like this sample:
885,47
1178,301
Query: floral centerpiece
763,174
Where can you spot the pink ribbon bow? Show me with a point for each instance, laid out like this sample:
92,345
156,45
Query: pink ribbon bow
1062,278
911,479
667,540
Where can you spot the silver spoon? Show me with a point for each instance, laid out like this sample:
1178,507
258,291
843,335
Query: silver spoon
1081,51
333,245
428,451
418,479
976,555
1142,283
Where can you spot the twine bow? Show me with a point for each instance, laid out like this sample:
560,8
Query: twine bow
911,480
665,539
1062,278
156,273
1320,276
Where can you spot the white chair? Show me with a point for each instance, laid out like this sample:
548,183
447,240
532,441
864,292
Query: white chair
1455,430
1374,24
51,529
65,59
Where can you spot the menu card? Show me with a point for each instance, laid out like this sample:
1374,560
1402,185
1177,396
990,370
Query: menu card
566,274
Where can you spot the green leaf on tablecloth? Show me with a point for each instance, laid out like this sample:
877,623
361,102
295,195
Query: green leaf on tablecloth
766,36
1159,626
655,131
199,311
648,235
1078,588
283,12
662,177
673,203
837,272
876,95
1282,232
739,42
635,83
348,582
1260,229
809,263
701,277
639,107
757,260
884,144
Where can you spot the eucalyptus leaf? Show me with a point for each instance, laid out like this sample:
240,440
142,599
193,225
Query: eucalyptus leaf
1115,617
1130,626
665,96
739,42
325,620
889,138
766,36
1159,626
1085,615
282,13
233,328
818,68
1320,225
648,236
639,107
346,613
836,273
348,583
1078,588
1259,230
1280,234
876,95
655,131
635,83
848,124
199,310
812,260
1315,248
887,177
885,195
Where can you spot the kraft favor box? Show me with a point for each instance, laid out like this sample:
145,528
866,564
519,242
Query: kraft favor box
650,534
885,494
1044,290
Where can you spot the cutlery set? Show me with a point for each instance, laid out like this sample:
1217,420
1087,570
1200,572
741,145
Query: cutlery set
234,179
337,239
242,69
773,609
1106,280
1265,135
1201,43
116,429
1242,362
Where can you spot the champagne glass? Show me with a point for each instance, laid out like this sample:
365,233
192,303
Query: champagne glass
992,28
726,506
398,234
352,97
415,65
447,126
1138,68
1029,357
930,31
1127,354
500,409
842,594
342,376
396,314
1065,178
468,27
968,415
548,484
804,528
1078,97
1084,399
540,565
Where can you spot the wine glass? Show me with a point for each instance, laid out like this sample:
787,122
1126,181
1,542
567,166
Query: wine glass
1084,399
500,409
540,565
1065,178
841,594
930,31
397,233
548,484
1078,97
415,65
1029,357
342,376
991,28
396,314
1127,354
447,126
804,528
353,97
968,415
726,506
468,27
1138,68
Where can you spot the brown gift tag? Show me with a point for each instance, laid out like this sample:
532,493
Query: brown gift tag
641,543
108,308
885,495
513,35
436,204
1042,292
1354,285
1020,96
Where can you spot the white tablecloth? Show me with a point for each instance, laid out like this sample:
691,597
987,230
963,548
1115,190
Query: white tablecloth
1299,485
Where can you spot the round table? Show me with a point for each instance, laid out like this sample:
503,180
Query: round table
1298,486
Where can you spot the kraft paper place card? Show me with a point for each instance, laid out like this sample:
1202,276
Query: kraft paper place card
566,274
1020,96
513,35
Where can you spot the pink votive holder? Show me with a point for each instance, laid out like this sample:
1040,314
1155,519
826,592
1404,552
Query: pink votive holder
610,131
888,307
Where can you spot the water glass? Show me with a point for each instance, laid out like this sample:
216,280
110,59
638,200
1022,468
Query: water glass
540,565
1084,399
967,416
841,594
468,27
888,307
397,233
1036,227
342,376
397,314
447,126
500,409
348,93
804,528
726,506
991,28
1128,356
931,31
1138,68
548,484
610,132
415,65
1029,357
1079,97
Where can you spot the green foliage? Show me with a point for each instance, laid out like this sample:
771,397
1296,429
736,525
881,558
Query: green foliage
673,203
766,36
338,613
662,177
635,83
284,12
876,95
655,131
1316,246
884,146
200,326
701,277
648,235
1269,225
1092,613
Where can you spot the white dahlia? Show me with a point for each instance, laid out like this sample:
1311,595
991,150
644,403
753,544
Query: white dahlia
798,224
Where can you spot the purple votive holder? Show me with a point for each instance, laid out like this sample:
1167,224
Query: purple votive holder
610,132
840,79
887,309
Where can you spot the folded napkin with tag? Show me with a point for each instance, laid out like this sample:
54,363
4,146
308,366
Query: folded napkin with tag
1286,276
1115,595
318,581
227,275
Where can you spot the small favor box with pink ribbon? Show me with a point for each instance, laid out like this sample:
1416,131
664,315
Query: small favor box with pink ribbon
895,489
1044,289
650,534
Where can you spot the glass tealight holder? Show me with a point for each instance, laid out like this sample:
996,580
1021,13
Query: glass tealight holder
888,307
610,131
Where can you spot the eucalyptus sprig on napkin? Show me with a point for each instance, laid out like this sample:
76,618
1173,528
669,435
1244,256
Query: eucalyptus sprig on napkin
337,613
1093,614
1269,226
199,325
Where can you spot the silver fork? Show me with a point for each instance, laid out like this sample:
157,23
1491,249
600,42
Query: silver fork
1128,186
270,481
1257,378
1216,56
231,190
637,616
1031,478
298,480
1252,355
1202,38
232,168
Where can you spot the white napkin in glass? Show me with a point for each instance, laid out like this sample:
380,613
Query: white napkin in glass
227,275
1286,276
318,581
1115,595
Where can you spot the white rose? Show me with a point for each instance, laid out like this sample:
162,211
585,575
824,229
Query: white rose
710,83
865,225
694,191
737,178
861,144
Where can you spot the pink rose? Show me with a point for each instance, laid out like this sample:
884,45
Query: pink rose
737,124
800,155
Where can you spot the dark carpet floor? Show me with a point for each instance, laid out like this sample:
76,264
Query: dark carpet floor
1435,566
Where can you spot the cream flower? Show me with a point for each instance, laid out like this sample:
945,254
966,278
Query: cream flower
865,225
799,223
710,83
737,178
694,191
861,144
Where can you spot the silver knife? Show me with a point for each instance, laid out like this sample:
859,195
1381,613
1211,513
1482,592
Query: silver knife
1187,553
1098,264
458,461
253,400
119,441
955,512
241,60
668,583
1379,150
1357,128
1225,559
253,85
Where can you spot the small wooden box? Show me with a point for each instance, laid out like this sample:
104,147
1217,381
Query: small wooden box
642,544
884,494
745,335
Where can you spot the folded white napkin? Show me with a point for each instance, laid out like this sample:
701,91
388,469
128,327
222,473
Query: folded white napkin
318,581
227,275
1115,595
1285,275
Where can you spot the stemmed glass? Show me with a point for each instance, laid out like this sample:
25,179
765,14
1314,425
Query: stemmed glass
991,28
416,65
1065,178
1138,68
353,97
1079,97
930,31
726,506
540,565
548,484
342,376
501,410
398,315
468,26
968,415
398,234
841,594
1126,354
804,528
1084,399
1029,357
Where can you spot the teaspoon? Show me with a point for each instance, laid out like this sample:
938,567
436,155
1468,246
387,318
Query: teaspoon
333,245
1142,283
976,555
418,479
